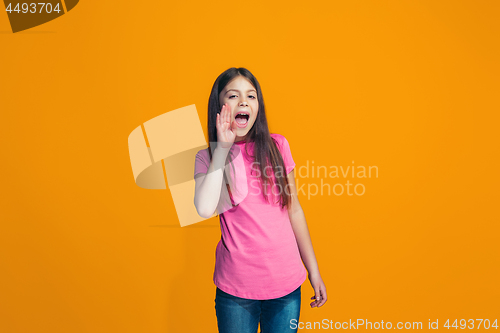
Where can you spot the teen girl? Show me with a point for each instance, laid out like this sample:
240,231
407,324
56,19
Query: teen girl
258,269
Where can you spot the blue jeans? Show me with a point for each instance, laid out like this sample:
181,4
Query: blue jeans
241,315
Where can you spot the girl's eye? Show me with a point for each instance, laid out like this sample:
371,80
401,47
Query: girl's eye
248,96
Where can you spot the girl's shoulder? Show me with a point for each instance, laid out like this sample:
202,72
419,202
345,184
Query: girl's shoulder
203,155
281,143
203,152
278,137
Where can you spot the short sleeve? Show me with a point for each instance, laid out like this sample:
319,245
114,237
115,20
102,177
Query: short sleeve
201,163
287,155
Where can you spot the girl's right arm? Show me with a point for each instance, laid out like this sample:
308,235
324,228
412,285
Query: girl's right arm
208,186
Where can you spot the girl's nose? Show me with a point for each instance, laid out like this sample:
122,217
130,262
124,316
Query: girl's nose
244,103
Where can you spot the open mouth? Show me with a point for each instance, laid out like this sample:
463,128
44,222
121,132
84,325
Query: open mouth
242,119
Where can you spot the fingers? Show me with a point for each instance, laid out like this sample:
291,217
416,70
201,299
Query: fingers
224,114
319,298
221,118
226,127
316,297
233,125
323,297
315,303
317,293
226,117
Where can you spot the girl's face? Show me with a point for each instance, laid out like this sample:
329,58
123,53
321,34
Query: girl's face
241,97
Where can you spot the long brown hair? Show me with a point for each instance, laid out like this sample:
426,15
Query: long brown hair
265,151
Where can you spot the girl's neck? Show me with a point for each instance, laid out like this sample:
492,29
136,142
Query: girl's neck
240,139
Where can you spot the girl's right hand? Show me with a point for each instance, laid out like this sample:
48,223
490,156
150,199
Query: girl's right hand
226,132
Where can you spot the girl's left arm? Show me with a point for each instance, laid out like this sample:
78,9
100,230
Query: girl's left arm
301,231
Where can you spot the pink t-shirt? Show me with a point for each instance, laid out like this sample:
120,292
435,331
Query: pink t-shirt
257,256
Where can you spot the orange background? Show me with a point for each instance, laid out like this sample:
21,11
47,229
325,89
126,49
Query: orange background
409,87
